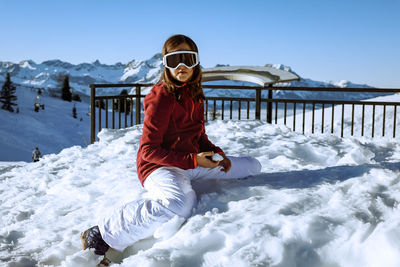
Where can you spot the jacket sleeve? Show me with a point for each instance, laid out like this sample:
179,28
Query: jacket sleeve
158,108
204,143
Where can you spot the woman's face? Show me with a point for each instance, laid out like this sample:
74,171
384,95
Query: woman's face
182,73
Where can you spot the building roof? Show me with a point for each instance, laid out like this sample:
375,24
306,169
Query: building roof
255,74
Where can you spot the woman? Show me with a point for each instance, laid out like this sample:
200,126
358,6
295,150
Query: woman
174,150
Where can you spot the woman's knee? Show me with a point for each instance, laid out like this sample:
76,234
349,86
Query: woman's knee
245,166
183,205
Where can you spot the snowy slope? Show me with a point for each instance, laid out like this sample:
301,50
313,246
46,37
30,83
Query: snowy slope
51,129
320,201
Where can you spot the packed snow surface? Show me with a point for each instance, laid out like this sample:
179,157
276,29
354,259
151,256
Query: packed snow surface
320,200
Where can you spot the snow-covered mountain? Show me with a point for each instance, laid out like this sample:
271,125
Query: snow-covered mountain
47,75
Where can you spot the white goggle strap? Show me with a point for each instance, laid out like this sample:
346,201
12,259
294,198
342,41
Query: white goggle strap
196,55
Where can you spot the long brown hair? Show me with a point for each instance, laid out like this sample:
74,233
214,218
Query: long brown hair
172,85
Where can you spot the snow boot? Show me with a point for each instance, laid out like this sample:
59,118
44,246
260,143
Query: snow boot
104,262
91,238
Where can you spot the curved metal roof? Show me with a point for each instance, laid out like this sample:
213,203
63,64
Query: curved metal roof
255,74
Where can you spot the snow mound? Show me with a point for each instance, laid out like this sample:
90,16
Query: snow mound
319,201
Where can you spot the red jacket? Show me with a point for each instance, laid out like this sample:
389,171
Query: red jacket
173,132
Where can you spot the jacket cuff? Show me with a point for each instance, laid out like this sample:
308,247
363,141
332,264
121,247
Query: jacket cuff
194,160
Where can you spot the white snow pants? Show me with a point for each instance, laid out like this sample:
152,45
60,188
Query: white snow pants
169,193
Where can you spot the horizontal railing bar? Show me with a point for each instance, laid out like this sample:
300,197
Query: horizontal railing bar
285,88
220,98
217,98
117,97
315,89
346,102
337,89
308,101
204,86
242,87
121,85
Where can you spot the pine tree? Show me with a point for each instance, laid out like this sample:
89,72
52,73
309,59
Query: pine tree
7,95
66,94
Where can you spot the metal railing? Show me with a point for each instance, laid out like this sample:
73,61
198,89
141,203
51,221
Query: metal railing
126,110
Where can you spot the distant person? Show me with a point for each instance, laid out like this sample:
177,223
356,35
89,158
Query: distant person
36,155
174,150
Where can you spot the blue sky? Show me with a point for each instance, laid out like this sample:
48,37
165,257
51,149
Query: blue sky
323,40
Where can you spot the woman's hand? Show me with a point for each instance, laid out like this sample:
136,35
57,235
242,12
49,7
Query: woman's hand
226,164
205,162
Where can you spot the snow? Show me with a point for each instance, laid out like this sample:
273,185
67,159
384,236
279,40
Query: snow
27,64
320,200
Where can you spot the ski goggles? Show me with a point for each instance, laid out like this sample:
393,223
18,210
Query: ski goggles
173,60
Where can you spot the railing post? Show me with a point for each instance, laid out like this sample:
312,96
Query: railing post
258,104
92,114
138,105
269,106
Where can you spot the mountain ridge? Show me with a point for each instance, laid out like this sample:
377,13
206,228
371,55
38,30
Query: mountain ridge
47,74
